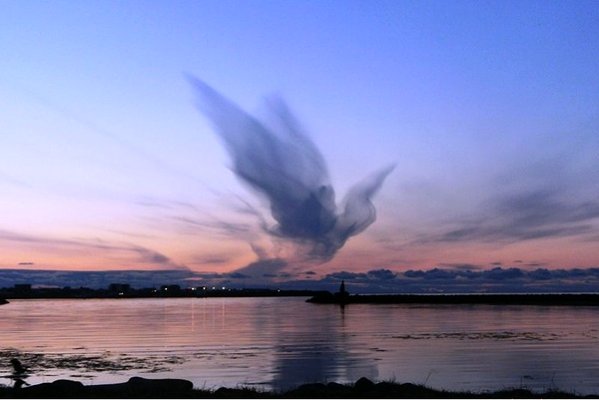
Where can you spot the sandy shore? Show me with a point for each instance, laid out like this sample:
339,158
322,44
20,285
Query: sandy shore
179,388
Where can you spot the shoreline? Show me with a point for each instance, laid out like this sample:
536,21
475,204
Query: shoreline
537,299
137,387
321,297
172,291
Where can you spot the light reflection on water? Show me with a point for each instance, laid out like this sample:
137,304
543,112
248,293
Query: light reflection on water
283,342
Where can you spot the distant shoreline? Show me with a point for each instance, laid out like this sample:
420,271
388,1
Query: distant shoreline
540,299
315,297
126,292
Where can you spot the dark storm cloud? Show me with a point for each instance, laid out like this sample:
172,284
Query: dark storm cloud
281,163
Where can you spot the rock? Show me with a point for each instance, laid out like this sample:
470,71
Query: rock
61,388
243,393
134,387
411,390
386,387
142,387
336,386
170,385
363,384
308,390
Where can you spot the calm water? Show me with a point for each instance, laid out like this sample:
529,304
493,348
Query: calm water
283,342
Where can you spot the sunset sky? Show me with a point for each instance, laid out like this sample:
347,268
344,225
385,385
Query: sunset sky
489,111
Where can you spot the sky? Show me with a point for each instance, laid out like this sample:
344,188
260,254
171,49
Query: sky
452,135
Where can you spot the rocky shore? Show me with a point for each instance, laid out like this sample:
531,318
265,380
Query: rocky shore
179,388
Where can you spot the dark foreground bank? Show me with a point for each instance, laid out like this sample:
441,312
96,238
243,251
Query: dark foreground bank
179,388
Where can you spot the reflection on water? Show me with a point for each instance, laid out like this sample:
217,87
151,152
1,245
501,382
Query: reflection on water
283,342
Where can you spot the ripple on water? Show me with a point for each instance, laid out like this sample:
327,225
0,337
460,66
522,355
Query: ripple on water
277,342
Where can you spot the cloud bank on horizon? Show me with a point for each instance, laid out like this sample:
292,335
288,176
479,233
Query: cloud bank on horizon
446,279
279,161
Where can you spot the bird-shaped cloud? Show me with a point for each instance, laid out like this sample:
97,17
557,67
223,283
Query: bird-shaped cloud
281,162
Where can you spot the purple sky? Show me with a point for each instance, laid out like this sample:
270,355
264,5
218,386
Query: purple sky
488,110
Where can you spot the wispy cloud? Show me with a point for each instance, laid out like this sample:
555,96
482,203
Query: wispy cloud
263,268
6,178
143,255
528,215
211,259
213,225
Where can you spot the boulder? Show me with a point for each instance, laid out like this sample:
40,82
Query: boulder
62,388
308,390
363,384
142,387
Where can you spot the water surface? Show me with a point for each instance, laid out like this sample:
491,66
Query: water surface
282,342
